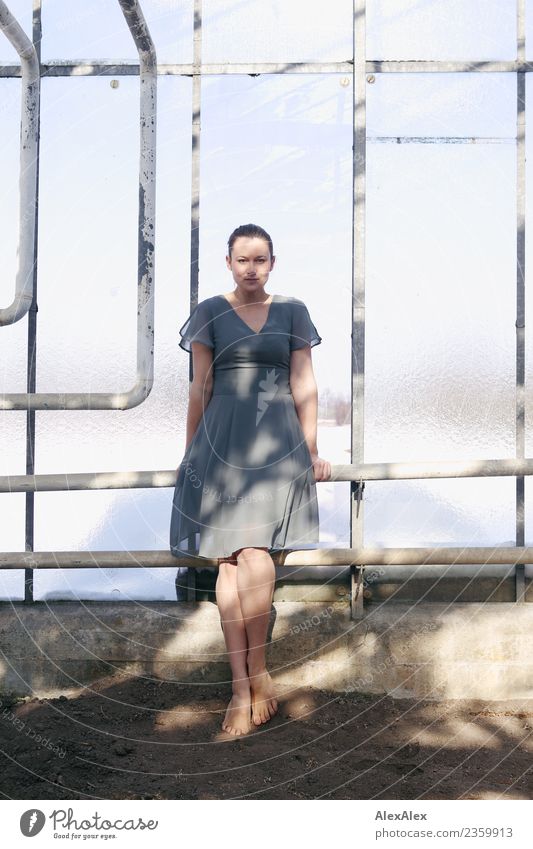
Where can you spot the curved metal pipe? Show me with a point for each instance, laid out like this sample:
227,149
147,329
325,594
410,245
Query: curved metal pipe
146,239
31,83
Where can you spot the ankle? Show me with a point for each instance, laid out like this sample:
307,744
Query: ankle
256,668
241,687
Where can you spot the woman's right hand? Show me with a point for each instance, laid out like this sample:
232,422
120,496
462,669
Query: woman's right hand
321,468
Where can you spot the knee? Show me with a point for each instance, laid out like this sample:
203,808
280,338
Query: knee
249,553
229,559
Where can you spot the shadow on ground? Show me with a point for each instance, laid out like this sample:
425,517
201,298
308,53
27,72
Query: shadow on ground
139,739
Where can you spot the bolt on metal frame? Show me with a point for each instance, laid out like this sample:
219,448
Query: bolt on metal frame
358,472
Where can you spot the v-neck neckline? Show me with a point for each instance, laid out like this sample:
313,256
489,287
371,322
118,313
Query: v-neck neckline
252,331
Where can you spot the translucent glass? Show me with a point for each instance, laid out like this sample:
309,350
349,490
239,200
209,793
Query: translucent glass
277,151
13,338
447,106
449,512
529,29
528,512
528,273
88,234
22,12
440,305
429,29
440,302
98,30
12,521
134,520
255,31
89,263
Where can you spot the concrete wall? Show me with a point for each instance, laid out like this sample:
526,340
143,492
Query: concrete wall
431,650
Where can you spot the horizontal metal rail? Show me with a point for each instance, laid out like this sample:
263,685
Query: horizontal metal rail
29,71
147,69
371,556
365,472
99,67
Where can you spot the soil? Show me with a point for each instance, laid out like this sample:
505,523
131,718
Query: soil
142,739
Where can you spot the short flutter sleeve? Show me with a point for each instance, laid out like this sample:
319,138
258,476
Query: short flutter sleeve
303,330
198,327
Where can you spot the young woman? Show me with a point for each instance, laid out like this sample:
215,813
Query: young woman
246,483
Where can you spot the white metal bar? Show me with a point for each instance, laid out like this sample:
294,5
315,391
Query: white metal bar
59,68
29,126
63,482
343,557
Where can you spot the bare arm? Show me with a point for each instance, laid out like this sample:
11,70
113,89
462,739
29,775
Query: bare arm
304,390
200,388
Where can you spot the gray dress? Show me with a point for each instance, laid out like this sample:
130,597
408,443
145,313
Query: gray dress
246,478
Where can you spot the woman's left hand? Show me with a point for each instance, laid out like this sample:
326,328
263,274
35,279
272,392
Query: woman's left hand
321,468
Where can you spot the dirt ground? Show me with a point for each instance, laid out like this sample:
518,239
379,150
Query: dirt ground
141,739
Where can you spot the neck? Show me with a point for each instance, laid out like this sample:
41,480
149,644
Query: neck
250,298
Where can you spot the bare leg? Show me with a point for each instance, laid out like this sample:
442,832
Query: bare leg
255,585
237,719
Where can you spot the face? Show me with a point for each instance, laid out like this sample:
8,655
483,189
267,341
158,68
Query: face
250,263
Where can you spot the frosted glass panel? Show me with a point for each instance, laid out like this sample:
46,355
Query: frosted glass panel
277,151
12,521
528,505
22,12
135,520
529,29
277,31
98,30
430,29
13,337
453,511
440,301
88,234
528,274
151,435
442,105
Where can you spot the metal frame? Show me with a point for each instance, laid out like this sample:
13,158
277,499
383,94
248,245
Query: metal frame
359,471
145,266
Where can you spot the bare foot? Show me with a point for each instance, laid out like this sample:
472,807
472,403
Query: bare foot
237,719
264,702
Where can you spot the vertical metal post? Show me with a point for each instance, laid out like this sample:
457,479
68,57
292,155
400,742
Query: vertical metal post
195,203
31,355
520,289
358,292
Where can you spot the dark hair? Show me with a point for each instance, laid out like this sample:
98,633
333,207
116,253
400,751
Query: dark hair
251,231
